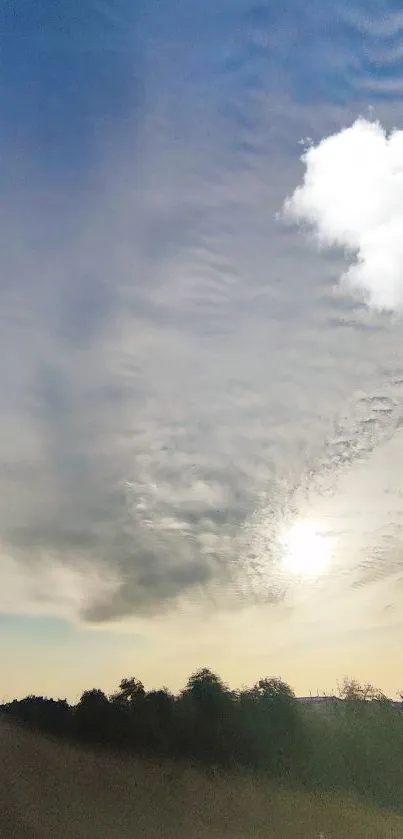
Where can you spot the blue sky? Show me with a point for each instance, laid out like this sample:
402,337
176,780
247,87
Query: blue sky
179,380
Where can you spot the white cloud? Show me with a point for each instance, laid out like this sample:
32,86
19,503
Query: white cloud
352,197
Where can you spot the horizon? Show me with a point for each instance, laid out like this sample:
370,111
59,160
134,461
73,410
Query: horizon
317,694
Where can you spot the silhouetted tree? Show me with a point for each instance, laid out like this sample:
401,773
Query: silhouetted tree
47,715
93,717
208,716
353,691
128,704
271,725
130,690
157,720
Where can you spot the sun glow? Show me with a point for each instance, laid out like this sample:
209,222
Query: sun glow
305,551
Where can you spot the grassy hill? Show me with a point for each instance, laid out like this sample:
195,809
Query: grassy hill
50,789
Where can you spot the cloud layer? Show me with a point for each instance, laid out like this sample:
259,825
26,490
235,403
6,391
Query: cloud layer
175,371
352,197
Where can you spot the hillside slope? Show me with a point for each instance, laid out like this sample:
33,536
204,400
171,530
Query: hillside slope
50,790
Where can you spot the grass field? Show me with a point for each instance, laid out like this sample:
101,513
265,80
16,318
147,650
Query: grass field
51,790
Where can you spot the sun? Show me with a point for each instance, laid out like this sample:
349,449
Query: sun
305,551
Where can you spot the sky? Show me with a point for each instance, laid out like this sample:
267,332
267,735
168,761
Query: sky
201,378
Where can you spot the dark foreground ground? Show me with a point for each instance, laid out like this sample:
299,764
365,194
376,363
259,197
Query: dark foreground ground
50,790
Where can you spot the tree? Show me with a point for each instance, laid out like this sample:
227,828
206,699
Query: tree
207,717
93,718
128,705
274,691
130,690
158,721
49,715
353,691
206,690
271,725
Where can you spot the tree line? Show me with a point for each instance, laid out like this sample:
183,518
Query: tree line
350,742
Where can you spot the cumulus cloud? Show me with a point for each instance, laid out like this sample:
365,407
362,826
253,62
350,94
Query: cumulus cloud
352,197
